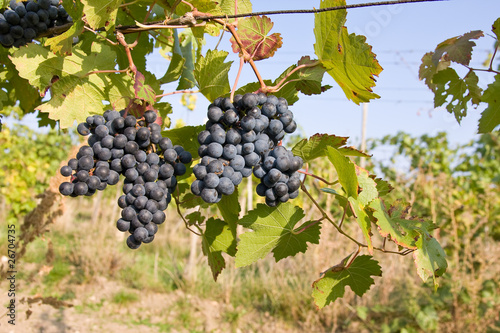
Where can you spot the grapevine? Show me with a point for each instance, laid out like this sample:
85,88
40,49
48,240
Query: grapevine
91,70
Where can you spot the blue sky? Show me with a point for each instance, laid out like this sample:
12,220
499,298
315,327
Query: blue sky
400,36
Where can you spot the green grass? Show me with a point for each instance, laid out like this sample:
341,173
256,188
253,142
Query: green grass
124,297
60,270
162,327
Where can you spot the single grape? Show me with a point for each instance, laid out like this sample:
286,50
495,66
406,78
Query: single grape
122,225
132,243
66,171
83,128
225,186
93,182
237,163
248,101
80,188
185,157
215,150
159,217
179,169
211,180
66,188
209,195
150,116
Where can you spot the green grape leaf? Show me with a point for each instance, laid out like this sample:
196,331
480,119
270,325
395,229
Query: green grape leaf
496,28
74,94
345,171
74,98
309,78
253,32
38,65
189,200
174,70
228,7
120,88
250,87
211,74
367,185
24,92
383,187
229,208
400,230
430,258
142,90
358,276
101,13
346,57
42,68
164,109
351,151
457,49
204,6
306,79
315,146
186,136
461,91
490,117
3,98
428,69
186,49
221,236
362,216
274,230
195,218
216,239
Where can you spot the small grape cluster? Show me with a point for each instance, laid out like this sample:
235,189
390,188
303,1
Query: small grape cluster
279,179
121,144
24,21
237,138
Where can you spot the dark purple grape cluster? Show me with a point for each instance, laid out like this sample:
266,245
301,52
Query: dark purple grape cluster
121,144
236,139
279,179
24,21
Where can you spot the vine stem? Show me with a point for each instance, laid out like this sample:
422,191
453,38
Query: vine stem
244,53
121,38
353,257
242,62
489,70
95,32
317,177
313,223
493,57
178,92
278,86
144,21
325,216
178,207
108,71
343,216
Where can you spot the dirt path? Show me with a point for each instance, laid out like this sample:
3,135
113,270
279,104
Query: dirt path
93,310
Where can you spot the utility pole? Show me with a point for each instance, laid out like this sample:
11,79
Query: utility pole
362,162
